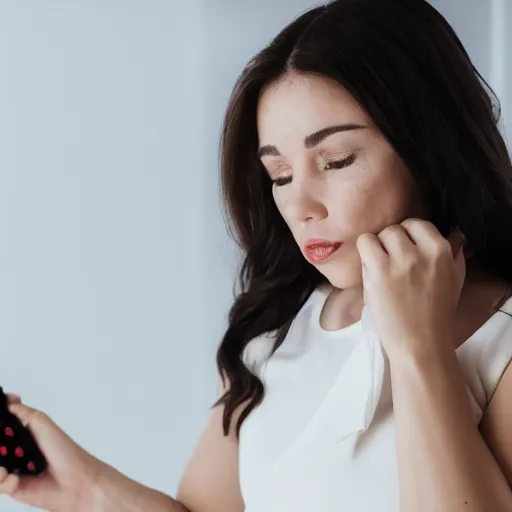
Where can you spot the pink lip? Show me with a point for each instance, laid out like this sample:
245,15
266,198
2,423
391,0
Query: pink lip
320,250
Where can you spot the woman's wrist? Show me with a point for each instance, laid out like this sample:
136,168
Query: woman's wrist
114,492
102,488
96,487
86,495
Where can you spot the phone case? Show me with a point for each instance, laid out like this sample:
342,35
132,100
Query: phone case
19,452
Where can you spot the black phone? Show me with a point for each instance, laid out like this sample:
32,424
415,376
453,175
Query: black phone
19,452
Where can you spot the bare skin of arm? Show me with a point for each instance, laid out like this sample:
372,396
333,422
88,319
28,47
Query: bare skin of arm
496,425
445,463
209,483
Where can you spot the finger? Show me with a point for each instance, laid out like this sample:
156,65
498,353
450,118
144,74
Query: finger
9,484
43,428
38,491
396,241
457,241
423,233
460,266
371,251
3,474
22,412
13,398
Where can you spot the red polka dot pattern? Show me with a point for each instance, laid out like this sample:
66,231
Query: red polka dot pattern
19,453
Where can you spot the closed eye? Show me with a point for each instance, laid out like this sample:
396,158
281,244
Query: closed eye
340,164
335,164
284,180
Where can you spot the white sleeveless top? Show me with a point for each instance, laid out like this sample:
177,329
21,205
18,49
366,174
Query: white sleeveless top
323,438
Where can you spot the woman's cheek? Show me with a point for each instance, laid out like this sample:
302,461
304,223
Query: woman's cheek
280,201
348,200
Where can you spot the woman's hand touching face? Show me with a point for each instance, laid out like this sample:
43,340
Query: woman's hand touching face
412,279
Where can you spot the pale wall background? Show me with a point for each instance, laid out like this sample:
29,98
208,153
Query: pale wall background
115,270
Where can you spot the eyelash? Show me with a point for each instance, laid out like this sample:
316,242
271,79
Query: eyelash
339,164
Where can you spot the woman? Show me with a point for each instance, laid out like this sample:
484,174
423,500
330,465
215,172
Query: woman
360,150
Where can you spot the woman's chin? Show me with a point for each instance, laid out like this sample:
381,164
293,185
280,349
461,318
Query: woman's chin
342,276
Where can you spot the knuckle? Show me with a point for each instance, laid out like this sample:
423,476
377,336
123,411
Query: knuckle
365,241
364,237
409,262
393,228
12,398
411,222
40,416
441,247
35,416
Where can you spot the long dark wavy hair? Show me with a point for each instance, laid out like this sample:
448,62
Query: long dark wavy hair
406,67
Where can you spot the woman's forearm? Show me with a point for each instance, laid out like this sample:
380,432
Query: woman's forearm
115,492
444,463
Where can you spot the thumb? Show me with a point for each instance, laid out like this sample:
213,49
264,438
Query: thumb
460,267
22,411
46,433
13,398
36,491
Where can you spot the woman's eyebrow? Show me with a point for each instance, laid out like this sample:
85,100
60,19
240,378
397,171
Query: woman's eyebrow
314,139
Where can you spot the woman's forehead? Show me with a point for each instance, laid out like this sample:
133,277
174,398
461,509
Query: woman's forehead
299,106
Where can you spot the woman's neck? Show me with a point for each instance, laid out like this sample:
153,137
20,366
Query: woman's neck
481,296
342,307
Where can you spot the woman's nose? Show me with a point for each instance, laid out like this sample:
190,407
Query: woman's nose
306,203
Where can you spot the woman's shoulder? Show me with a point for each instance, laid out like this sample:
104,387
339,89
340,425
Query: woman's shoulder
485,356
493,336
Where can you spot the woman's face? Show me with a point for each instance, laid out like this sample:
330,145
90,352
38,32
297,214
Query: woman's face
330,185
